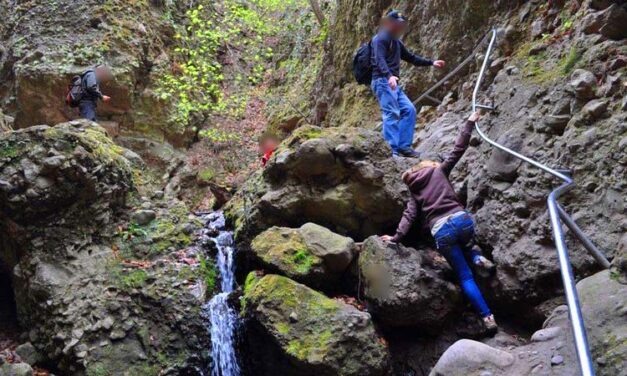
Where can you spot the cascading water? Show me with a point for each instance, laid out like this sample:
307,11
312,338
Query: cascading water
223,318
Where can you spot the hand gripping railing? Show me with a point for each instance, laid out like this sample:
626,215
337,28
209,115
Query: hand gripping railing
556,212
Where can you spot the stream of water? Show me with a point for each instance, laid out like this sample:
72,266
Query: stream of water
223,318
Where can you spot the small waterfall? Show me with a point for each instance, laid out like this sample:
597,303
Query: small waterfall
223,318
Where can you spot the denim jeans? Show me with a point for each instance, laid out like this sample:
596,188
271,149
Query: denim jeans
398,113
87,109
454,241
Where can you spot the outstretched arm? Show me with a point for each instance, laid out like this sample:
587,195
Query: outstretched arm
409,216
461,144
413,58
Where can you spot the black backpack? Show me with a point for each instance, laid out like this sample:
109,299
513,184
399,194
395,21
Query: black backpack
75,90
362,66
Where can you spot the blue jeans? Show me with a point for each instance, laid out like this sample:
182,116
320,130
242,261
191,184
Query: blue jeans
454,241
399,115
87,109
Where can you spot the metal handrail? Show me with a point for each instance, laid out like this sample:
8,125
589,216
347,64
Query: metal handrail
574,310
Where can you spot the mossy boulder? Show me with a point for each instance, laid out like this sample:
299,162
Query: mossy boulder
342,179
298,331
406,287
311,254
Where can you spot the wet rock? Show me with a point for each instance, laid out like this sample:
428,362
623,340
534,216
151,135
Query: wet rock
143,217
322,341
406,287
583,83
16,369
311,254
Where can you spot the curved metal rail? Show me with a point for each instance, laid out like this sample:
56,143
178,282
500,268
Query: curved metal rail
555,212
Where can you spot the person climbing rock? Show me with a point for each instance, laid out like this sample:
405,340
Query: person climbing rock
452,227
267,145
398,112
91,81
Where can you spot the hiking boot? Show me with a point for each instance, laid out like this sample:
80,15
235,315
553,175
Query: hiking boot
409,153
490,324
484,266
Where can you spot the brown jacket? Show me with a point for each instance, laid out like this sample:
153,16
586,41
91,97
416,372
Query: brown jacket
433,196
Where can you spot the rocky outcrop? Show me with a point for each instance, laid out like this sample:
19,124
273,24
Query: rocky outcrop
310,254
295,330
49,42
405,287
87,304
343,179
551,349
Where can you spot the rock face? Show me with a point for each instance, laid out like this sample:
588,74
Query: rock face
298,331
406,287
343,179
603,305
63,190
551,350
356,22
310,254
71,36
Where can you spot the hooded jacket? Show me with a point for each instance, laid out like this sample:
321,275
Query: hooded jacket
433,196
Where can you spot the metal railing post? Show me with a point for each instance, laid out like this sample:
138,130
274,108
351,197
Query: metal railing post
574,310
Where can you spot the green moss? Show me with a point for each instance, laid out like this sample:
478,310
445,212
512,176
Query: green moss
314,344
251,280
208,272
206,175
8,150
282,327
568,62
133,280
303,260
98,369
285,249
542,69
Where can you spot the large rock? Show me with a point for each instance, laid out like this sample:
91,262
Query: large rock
311,254
88,305
406,287
472,358
294,330
551,350
343,179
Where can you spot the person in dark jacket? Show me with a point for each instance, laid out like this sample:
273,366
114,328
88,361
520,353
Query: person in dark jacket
91,81
434,200
398,112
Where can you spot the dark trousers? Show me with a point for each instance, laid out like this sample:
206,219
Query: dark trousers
87,109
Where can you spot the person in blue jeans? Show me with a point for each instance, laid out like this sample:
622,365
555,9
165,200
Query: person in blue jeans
398,112
435,201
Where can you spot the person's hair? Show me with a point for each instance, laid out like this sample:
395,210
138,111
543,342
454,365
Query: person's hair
417,167
105,68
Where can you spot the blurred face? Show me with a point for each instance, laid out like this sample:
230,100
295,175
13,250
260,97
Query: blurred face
269,144
395,28
104,74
